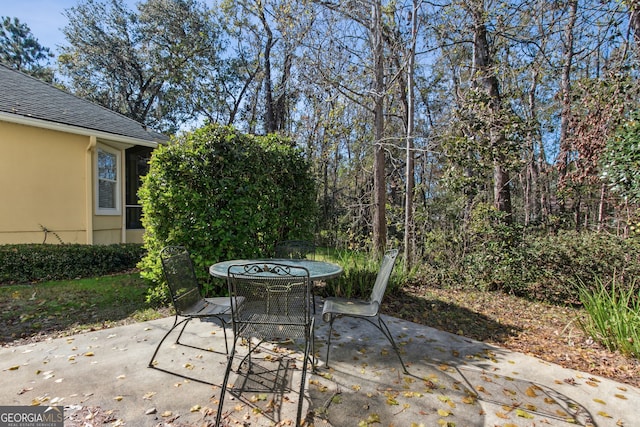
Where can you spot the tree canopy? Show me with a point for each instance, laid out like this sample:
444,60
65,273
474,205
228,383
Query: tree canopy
20,50
413,114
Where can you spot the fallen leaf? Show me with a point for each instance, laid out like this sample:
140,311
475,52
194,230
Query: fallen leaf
523,414
531,392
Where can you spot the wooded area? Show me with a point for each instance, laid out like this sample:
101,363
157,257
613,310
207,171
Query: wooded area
416,115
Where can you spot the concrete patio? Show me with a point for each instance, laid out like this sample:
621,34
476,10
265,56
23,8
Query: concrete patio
454,381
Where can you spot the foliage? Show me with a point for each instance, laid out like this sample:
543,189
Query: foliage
614,315
495,259
224,195
603,106
621,160
553,263
20,50
37,263
538,266
360,270
150,66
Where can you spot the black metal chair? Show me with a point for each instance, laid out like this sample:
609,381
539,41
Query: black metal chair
295,249
276,306
185,293
368,310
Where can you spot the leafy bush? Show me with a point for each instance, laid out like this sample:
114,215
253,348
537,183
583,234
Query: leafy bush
496,251
224,195
545,267
555,263
31,263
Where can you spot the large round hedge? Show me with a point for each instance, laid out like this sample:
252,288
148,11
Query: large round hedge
224,195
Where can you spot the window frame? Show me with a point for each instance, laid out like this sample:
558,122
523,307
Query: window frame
117,210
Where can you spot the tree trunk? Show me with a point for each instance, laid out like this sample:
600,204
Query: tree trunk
409,226
379,187
487,80
269,117
565,88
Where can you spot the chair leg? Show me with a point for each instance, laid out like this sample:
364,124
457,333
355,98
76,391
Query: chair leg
175,324
182,330
223,325
382,327
224,331
313,346
387,333
329,340
230,357
303,380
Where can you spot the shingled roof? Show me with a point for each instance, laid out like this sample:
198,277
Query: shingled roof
25,97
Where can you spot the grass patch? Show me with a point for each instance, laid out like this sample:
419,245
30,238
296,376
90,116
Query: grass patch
70,306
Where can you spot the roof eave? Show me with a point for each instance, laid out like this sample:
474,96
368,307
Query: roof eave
30,121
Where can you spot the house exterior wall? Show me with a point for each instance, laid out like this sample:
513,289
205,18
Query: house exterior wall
42,184
47,181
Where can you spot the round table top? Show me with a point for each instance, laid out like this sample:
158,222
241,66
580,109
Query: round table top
318,270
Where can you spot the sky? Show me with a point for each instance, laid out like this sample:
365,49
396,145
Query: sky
43,17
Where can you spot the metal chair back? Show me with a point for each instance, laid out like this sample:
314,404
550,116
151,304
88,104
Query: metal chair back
277,300
295,249
181,279
384,274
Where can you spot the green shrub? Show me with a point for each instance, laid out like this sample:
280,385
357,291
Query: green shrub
614,316
495,256
224,195
555,263
31,263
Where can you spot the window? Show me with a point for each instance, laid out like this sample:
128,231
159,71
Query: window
108,199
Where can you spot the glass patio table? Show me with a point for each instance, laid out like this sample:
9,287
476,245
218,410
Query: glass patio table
318,270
